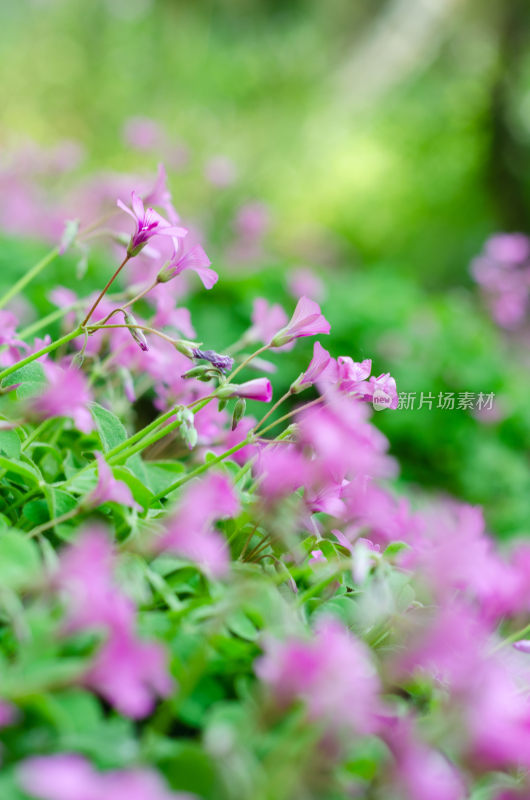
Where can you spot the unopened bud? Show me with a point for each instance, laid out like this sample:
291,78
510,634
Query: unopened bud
186,347
187,428
135,332
201,373
239,412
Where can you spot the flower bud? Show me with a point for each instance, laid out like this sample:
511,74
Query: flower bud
187,428
136,333
239,412
186,347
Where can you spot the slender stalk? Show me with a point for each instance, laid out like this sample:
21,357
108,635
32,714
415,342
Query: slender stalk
34,356
273,408
104,290
36,432
144,443
247,361
514,637
141,433
146,328
53,522
130,302
28,277
52,317
199,470
291,414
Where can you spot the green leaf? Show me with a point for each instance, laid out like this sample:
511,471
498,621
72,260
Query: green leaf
19,560
111,430
140,492
161,474
19,472
31,377
394,548
9,444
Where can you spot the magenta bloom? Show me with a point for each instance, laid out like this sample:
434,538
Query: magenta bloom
108,489
129,672
68,776
196,260
256,389
266,320
149,223
190,532
66,395
332,674
307,320
318,364
8,339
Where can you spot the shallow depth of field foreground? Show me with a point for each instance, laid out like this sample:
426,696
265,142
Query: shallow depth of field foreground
264,400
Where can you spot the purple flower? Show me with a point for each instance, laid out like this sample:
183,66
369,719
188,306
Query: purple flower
223,363
307,320
68,776
149,223
196,260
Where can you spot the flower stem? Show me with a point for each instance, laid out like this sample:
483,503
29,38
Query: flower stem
53,522
247,361
144,443
291,414
34,356
273,409
104,290
28,277
199,470
514,637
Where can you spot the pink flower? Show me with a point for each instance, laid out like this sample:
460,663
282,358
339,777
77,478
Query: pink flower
220,171
127,671
8,339
108,489
331,673
68,776
318,364
266,320
303,281
196,260
421,772
149,223
190,532
256,389
307,320
66,395
281,470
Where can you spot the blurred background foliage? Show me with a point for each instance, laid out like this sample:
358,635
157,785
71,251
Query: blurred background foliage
387,140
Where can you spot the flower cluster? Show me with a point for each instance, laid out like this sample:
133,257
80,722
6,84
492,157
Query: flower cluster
255,592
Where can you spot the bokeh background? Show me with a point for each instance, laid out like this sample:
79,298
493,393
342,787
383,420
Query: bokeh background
365,151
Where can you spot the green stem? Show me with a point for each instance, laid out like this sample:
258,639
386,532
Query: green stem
53,522
141,433
199,470
34,356
271,410
144,443
36,432
247,361
514,637
291,414
28,277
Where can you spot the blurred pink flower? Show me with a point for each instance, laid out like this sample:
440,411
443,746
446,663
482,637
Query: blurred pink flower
220,171
127,671
68,776
66,395
303,281
318,364
331,673
256,389
189,530
108,489
266,320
